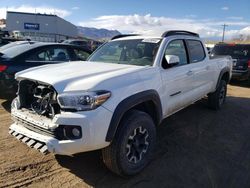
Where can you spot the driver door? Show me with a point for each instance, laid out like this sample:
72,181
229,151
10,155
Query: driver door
177,82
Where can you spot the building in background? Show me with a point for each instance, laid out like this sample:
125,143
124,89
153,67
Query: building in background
40,27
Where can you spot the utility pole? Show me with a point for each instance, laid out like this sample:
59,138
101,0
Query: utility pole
223,34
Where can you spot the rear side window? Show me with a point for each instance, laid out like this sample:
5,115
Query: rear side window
196,51
50,54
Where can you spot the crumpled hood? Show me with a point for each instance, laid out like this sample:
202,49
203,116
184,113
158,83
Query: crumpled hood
77,75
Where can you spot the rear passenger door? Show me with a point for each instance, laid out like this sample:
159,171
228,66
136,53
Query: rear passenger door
200,68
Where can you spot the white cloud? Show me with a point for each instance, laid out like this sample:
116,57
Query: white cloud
31,9
236,33
149,25
245,31
75,8
230,23
224,8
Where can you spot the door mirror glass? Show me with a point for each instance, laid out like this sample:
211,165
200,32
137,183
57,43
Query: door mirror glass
172,59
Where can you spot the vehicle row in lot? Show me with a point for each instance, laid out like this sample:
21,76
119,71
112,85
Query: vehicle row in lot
91,44
18,56
241,58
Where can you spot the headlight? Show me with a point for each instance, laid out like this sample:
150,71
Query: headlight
83,100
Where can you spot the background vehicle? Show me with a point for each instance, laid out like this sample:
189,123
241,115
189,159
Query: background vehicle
3,35
241,58
91,44
18,56
115,100
82,43
11,44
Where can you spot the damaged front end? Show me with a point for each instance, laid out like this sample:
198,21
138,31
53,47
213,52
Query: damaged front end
38,98
34,112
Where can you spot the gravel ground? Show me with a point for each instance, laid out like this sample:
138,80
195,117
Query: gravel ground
197,147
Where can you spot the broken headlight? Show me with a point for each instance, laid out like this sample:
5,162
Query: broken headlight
81,101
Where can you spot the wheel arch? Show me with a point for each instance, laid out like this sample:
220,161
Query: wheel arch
224,75
147,101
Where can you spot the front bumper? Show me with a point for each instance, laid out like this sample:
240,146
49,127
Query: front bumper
94,125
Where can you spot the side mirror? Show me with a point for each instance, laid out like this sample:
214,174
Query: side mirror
172,59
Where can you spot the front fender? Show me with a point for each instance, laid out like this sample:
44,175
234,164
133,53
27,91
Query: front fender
129,103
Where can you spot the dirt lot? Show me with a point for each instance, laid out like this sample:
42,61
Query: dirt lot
197,147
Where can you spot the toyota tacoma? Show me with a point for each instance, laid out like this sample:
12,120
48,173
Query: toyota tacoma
115,99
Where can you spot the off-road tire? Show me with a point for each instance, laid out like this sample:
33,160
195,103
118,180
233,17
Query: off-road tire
117,156
217,98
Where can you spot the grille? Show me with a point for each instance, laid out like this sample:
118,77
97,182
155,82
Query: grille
35,128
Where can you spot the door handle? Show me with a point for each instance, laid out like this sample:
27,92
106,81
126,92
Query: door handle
207,67
189,73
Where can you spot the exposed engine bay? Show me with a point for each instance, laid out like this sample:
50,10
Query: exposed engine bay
38,98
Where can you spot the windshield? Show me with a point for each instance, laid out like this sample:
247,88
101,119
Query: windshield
237,51
139,52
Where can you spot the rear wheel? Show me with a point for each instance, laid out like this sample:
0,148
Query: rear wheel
217,99
132,148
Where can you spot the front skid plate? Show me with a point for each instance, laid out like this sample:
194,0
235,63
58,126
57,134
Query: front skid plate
40,146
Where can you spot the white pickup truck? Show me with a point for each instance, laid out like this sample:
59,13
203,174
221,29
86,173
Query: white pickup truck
115,100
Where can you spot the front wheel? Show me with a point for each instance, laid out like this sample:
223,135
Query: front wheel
217,99
132,148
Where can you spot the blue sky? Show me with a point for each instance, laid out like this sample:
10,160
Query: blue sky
146,16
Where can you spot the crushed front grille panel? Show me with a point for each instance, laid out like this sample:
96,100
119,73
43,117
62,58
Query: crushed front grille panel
35,128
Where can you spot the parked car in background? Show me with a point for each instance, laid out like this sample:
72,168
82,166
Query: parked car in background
91,44
24,55
3,34
11,44
241,58
83,43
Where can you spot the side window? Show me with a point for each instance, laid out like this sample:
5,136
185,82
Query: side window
59,54
41,55
196,51
49,54
81,54
176,48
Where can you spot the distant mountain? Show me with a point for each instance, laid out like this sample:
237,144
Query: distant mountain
97,34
